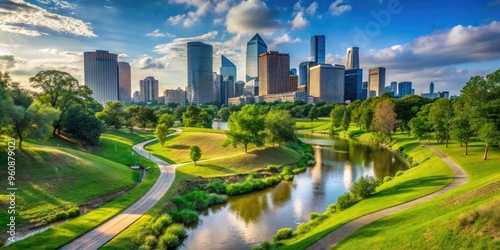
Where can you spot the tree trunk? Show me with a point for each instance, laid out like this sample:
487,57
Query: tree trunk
195,163
20,143
460,143
485,156
246,145
466,148
390,137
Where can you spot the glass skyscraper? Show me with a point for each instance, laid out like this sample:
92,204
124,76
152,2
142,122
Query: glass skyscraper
101,75
353,85
227,68
255,47
124,79
404,89
200,75
352,58
376,81
318,49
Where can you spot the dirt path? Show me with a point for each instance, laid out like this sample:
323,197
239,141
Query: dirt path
330,240
100,235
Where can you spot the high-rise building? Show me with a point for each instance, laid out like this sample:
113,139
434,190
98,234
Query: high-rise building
227,90
217,87
388,90
255,47
318,49
175,96
404,89
364,91
304,72
394,88
136,97
376,81
431,88
149,89
274,73
327,83
199,71
293,71
352,58
227,68
124,80
101,75
293,83
238,88
353,84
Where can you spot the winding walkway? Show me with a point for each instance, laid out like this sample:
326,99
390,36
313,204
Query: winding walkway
100,235
330,240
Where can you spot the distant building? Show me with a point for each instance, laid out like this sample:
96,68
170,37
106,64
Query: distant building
353,84
242,100
404,89
364,91
124,80
136,97
394,88
149,89
352,58
251,88
431,88
388,90
238,88
444,94
199,73
302,88
327,83
217,87
318,50
227,89
274,73
293,71
293,83
101,75
282,97
255,47
227,68
304,72
175,96
161,99
376,80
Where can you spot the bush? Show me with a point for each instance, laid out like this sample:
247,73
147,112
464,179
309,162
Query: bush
387,179
401,149
311,163
332,208
177,230
74,212
198,199
313,215
345,201
287,174
161,223
136,176
181,202
169,241
299,170
399,173
149,242
265,245
307,157
283,234
364,187
214,199
272,168
269,181
185,216
301,163
303,228
60,216
216,186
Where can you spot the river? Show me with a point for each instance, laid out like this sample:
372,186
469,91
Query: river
247,220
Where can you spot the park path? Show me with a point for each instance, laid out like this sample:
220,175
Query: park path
330,240
100,235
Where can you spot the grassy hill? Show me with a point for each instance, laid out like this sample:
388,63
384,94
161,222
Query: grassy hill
322,124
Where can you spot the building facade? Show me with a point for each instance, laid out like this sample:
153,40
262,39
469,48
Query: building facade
318,51
327,83
364,91
255,47
353,84
227,68
200,76
282,97
136,97
376,81
238,88
175,96
124,80
149,89
274,73
304,72
352,58
404,89
101,75
293,83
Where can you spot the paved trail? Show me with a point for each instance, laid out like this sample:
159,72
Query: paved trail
330,240
100,235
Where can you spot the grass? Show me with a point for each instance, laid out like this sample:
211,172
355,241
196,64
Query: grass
431,175
322,124
122,141
465,218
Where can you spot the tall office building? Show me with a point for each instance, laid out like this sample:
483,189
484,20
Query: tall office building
327,83
175,96
217,85
293,71
125,81
227,68
255,47
394,88
101,75
293,83
318,51
404,89
199,71
304,72
353,84
149,89
274,73
431,88
238,88
136,97
352,58
227,90
376,81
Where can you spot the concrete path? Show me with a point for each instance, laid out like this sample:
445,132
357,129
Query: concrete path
330,240
100,235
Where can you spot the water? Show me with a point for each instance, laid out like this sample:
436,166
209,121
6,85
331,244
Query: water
247,220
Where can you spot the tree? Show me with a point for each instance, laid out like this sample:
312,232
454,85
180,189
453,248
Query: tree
179,111
167,119
6,102
145,117
196,117
223,114
346,119
161,133
420,126
245,127
195,153
279,126
385,117
440,116
83,124
113,114
461,128
336,116
129,117
407,108
313,114
366,118
490,135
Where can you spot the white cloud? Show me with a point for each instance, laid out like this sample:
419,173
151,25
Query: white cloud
24,18
299,21
147,62
311,10
158,33
123,55
252,16
177,47
202,8
222,6
337,8
282,40
58,4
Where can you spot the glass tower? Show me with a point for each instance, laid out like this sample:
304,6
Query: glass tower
352,58
353,84
404,89
255,47
101,75
124,80
318,49
200,75
227,68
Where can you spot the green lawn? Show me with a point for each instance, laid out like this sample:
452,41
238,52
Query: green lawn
431,175
465,218
322,124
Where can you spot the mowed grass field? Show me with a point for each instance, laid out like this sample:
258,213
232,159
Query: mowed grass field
465,218
322,124
431,175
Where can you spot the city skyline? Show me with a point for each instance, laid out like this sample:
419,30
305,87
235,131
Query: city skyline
153,46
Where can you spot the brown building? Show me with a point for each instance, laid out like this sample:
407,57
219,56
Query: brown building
124,81
327,83
293,84
274,73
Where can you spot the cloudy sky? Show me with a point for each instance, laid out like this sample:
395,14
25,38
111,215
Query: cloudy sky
444,41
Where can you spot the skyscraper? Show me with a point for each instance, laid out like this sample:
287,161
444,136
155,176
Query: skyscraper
149,89
327,83
124,80
304,72
394,88
364,91
293,83
255,47
227,68
238,88
404,89
101,75
274,73
318,49
353,84
227,89
199,70
376,81
136,97
293,71
352,58
175,96
217,86
431,88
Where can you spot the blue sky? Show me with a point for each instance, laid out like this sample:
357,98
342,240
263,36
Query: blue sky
442,41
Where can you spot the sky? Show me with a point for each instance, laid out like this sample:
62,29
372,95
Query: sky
423,41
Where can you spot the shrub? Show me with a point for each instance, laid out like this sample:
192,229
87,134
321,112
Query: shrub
169,241
265,245
307,157
136,176
283,234
74,212
198,199
60,216
269,181
303,228
214,199
299,170
301,163
272,168
399,173
287,174
185,216
345,201
311,163
177,230
181,202
401,149
149,242
332,208
216,186
161,223
364,187
313,215
387,179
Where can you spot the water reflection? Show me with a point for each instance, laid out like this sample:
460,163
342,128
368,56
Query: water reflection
247,220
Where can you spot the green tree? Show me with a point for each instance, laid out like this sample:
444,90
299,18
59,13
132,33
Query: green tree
161,133
145,117
167,119
461,128
113,114
407,108
490,135
223,114
420,126
313,114
129,120
440,116
366,118
83,124
279,127
246,127
196,117
346,119
6,102
195,153
336,116
385,117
